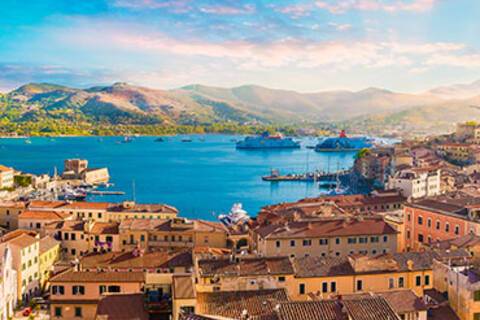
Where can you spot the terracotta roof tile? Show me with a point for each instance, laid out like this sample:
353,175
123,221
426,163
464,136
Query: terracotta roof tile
90,276
5,169
122,307
47,243
81,205
43,215
245,266
104,228
183,287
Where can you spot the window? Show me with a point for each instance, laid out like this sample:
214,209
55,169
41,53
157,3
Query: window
301,288
58,311
323,242
420,237
401,282
427,280
447,227
58,290
281,279
78,312
385,238
102,289
142,237
457,230
359,285
476,316
337,241
374,239
420,220
333,286
429,222
352,240
363,239
325,287
307,242
437,225
73,236
292,243
114,289
277,244
391,283
78,290
476,295
418,281
408,234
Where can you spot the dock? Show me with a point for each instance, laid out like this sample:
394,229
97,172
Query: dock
106,193
305,177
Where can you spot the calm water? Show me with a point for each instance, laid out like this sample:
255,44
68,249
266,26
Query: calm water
200,178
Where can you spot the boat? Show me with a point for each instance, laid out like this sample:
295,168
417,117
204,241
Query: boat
343,143
268,141
73,194
127,139
236,216
28,141
186,139
160,139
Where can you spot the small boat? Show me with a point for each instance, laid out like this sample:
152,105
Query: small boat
186,139
28,141
159,139
127,139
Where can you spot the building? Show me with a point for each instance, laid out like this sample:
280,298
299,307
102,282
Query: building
6,177
122,306
78,169
416,182
25,248
8,283
37,220
459,153
49,254
468,131
440,218
75,294
171,233
375,165
336,237
9,212
331,206
243,273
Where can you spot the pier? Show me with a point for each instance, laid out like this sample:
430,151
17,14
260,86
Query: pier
275,176
106,193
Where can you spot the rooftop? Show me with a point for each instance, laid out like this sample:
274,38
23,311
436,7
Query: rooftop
183,287
122,307
142,208
258,304
43,215
169,225
245,266
47,243
91,276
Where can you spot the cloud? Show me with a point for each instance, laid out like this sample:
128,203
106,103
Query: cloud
295,11
228,10
342,6
178,6
340,26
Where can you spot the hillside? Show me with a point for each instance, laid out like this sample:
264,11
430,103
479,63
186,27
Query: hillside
43,106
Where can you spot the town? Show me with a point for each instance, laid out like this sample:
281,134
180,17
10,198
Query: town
406,250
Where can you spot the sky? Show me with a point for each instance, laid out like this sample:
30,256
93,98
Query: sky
302,45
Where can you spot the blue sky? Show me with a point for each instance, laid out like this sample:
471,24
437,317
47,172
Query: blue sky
402,45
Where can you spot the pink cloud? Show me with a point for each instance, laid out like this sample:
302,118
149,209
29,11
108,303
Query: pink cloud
174,5
296,11
343,6
228,10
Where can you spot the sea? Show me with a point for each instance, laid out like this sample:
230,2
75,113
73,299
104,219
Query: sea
202,178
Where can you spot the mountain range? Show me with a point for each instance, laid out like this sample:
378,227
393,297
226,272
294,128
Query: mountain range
371,109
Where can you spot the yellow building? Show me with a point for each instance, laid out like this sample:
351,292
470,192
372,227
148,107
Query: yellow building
334,237
49,255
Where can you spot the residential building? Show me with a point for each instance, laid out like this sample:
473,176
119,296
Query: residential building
375,165
171,233
468,131
75,294
8,283
122,306
37,220
460,153
6,177
440,218
25,252
337,237
49,254
9,212
416,182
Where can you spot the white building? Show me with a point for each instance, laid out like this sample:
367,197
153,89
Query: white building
416,182
8,283
6,177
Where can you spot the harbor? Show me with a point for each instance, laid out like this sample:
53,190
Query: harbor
315,176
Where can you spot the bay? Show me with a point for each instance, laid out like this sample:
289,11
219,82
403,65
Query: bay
201,178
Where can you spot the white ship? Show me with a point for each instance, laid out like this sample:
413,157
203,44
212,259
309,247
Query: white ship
236,216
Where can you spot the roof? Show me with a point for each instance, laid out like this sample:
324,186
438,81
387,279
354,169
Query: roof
309,267
183,287
92,276
16,233
66,225
259,304
82,205
46,204
467,241
143,208
403,301
23,240
104,228
12,204
327,228
5,169
171,225
245,266
43,215
122,307
361,308
47,243
133,260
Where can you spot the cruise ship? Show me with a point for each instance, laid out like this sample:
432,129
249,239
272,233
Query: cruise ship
267,141
343,143
236,216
